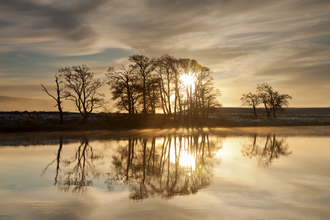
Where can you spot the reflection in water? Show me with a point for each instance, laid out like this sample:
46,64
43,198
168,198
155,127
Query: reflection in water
271,149
57,159
296,186
173,165
164,167
81,170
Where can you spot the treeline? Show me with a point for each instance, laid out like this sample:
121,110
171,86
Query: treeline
180,88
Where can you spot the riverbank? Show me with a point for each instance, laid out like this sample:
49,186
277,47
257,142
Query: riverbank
234,117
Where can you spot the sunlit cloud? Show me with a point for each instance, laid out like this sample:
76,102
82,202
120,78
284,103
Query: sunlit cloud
244,43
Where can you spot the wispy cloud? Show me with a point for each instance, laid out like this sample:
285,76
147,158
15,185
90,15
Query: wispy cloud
244,42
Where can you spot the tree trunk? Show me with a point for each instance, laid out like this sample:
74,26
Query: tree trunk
255,111
267,111
144,96
60,111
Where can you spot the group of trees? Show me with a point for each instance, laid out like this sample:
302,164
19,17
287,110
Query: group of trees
272,100
175,87
166,84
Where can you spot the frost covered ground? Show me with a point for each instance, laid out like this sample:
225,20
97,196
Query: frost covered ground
225,117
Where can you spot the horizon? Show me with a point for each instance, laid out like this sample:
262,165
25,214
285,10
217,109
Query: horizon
47,105
285,44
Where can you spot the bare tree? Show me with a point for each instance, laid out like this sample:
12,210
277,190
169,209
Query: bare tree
272,100
81,82
251,100
266,93
165,73
125,87
60,95
206,96
212,96
153,94
144,65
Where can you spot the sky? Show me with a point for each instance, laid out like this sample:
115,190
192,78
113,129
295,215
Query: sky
245,43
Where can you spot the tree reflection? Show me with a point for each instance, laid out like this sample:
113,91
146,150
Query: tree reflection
270,150
165,167
79,170
57,159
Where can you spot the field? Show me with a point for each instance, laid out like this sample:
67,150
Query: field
223,117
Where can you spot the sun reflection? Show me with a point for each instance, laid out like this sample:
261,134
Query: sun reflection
187,160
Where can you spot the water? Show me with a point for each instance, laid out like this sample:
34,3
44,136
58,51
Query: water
247,173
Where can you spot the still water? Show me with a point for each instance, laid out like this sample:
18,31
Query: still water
247,173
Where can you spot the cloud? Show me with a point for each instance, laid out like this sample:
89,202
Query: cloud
244,42
37,22
303,68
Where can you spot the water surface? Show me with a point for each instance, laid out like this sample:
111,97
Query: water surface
268,173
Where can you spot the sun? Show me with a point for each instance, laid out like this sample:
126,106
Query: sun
187,80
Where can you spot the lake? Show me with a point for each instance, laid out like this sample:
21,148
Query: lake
236,173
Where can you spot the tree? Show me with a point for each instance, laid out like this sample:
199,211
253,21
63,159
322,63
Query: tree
272,100
251,100
211,99
81,82
153,94
165,75
59,93
206,95
125,87
144,65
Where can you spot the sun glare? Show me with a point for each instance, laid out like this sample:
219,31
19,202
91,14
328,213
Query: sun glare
187,80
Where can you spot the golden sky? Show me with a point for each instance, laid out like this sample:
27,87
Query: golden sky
284,43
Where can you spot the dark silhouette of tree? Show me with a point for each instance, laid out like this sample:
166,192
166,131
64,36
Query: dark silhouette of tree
272,100
59,95
193,68
273,149
81,82
164,69
153,94
144,66
206,95
251,100
125,87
